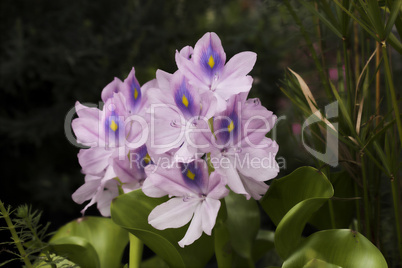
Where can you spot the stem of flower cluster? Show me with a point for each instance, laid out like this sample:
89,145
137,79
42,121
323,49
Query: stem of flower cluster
135,251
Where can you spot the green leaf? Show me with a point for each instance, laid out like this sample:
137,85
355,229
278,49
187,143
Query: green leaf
342,204
76,249
395,9
363,24
292,200
342,248
243,223
286,192
394,42
131,211
374,13
223,247
331,25
263,243
108,239
317,263
153,262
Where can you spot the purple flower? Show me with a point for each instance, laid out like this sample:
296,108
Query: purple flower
195,198
98,189
114,133
207,71
239,149
174,107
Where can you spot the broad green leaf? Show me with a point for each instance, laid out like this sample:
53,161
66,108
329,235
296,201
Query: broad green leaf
291,201
341,247
286,192
263,243
223,247
76,249
131,211
289,231
342,204
317,263
243,223
153,262
108,239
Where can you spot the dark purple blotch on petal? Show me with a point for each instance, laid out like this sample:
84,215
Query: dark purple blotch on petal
228,128
114,129
135,93
193,175
184,100
211,61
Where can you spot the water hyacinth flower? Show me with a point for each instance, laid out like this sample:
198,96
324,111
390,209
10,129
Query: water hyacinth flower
98,189
175,105
240,152
195,198
207,71
113,134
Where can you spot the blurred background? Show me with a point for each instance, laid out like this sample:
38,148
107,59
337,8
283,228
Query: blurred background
54,53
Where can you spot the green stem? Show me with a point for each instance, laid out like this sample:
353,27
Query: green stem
135,251
348,77
14,234
331,214
392,90
395,198
366,199
359,222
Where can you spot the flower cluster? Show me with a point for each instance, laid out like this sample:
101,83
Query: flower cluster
163,136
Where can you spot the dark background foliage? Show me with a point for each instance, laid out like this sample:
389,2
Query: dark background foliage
54,53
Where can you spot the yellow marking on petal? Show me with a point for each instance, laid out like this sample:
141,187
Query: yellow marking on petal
211,62
190,175
113,126
231,126
184,100
135,93
147,159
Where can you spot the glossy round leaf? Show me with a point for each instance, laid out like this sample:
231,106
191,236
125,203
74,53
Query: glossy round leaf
340,248
107,238
344,207
76,249
286,192
290,202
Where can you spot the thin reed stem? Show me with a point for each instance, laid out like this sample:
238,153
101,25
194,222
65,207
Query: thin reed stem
366,199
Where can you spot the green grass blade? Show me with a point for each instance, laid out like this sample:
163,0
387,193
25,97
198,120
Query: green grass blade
394,9
331,26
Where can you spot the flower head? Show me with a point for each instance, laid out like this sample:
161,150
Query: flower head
206,69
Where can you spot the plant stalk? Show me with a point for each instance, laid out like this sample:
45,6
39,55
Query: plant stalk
366,199
347,75
136,247
377,84
14,234
392,90
359,221
395,199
